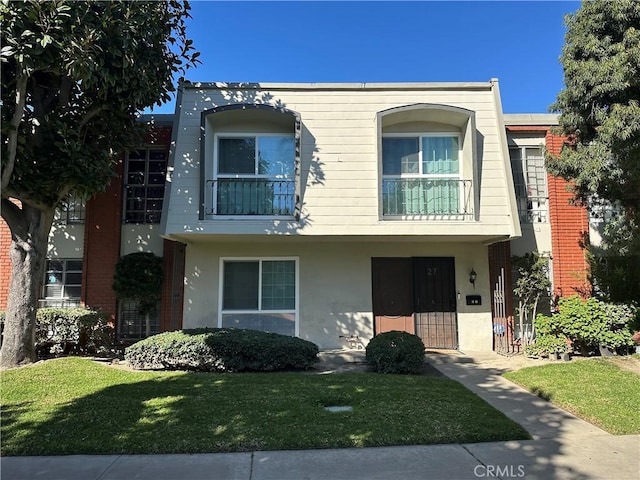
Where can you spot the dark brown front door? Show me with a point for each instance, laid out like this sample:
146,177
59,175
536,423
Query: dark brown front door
392,284
416,295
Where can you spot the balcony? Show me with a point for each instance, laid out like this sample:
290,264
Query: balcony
426,197
252,197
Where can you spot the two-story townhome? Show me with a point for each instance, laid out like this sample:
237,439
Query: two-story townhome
333,210
328,211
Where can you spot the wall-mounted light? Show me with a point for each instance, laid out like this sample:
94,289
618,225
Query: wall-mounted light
472,278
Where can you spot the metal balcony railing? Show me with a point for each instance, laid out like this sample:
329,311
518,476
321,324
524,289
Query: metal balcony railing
252,196
426,196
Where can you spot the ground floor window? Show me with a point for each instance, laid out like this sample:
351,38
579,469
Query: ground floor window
259,294
135,325
62,283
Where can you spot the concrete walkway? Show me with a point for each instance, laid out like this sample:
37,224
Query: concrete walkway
563,446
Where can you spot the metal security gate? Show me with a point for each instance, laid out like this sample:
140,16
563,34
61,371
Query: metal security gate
416,295
434,289
502,320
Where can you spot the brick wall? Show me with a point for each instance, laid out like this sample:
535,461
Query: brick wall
569,231
103,226
5,263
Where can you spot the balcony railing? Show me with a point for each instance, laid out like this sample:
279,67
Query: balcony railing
252,196
426,196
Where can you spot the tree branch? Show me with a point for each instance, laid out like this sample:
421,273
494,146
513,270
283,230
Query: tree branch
12,144
12,214
90,114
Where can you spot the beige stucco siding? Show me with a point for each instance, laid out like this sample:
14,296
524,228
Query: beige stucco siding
66,241
335,295
340,172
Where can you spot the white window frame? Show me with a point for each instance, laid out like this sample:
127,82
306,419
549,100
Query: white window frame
420,175
541,208
296,311
216,175
64,300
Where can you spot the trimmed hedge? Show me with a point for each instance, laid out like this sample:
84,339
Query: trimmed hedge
222,350
71,330
396,352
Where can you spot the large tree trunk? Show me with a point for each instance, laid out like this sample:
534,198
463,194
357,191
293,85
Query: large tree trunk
29,235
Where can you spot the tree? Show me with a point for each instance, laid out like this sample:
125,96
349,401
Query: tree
600,105
138,278
74,77
532,284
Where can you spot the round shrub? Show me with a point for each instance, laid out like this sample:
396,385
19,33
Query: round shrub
396,352
222,350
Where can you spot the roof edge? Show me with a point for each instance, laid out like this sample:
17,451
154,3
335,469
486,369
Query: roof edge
340,86
530,119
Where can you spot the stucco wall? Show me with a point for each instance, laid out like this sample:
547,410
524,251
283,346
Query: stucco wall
335,285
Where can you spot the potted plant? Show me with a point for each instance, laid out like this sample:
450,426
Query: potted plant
636,340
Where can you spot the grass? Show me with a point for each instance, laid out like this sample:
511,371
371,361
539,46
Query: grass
76,406
597,390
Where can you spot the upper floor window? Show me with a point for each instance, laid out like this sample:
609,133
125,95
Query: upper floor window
421,174
62,283
254,175
530,183
145,174
72,211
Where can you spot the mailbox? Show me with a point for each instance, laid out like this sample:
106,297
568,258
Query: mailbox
474,300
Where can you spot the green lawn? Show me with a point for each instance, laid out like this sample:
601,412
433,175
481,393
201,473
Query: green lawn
596,390
76,406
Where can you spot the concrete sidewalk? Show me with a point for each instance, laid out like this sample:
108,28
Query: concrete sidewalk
563,446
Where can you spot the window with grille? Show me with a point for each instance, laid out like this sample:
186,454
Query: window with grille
254,175
422,175
144,185
62,283
72,211
530,183
133,325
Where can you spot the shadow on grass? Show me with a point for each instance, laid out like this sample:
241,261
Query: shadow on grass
203,412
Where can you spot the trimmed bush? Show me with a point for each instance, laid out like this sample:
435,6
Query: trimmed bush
71,330
396,352
589,323
222,350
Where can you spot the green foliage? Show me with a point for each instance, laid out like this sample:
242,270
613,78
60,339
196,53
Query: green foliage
138,277
615,263
74,77
396,352
532,284
588,323
71,330
600,105
222,350
83,70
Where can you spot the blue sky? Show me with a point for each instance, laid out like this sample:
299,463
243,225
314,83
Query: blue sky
517,42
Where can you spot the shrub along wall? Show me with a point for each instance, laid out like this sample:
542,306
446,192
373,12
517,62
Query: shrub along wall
71,330
222,350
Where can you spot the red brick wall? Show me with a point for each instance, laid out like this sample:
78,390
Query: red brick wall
569,230
5,263
102,237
